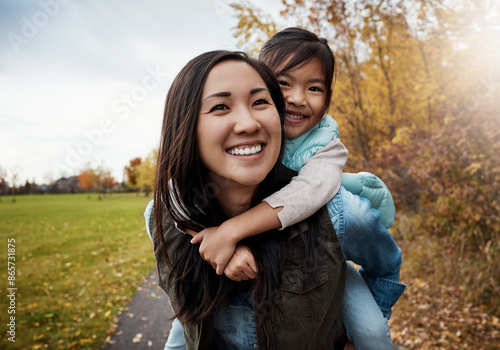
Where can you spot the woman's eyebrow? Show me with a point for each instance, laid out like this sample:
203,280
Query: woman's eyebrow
256,90
228,94
217,94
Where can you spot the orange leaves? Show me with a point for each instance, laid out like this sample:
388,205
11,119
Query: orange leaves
87,179
108,181
430,316
96,179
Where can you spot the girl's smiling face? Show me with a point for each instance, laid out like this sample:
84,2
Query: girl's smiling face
304,90
239,129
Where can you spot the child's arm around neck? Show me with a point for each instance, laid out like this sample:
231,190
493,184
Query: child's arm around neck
317,182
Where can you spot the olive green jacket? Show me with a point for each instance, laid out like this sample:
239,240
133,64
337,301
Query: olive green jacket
311,318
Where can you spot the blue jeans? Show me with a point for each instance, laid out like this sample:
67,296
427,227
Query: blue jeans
364,322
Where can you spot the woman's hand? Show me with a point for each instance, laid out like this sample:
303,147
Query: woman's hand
217,246
242,265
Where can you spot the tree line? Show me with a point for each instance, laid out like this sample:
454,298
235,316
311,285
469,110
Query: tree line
138,177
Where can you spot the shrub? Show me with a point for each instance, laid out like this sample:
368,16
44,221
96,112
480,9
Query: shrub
449,178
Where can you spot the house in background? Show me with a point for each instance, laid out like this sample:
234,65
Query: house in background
66,185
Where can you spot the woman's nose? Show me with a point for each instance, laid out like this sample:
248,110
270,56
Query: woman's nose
246,122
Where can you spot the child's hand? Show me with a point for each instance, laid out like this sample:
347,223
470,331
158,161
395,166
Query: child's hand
242,265
217,246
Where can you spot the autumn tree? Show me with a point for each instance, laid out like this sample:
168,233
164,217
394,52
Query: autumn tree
88,180
131,172
108,181
146,172
254,26
97,179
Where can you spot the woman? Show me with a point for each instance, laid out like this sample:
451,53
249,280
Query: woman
219,156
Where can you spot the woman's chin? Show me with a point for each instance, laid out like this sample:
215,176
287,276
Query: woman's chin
250,180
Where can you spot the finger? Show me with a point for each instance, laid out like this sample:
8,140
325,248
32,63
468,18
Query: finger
247,273
253,265
233,274
240,272
220,269
250,272
244,277
233,277
197,236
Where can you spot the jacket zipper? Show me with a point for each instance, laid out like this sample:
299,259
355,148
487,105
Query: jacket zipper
199,337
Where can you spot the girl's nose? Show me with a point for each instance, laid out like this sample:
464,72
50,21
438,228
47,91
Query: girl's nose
295,96
246,122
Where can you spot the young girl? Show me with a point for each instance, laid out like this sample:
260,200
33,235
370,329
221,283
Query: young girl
304,66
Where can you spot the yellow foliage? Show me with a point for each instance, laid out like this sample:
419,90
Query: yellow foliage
402,136
146,172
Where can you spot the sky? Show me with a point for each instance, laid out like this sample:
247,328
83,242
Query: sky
84,82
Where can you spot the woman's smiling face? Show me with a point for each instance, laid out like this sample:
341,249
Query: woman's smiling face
239,129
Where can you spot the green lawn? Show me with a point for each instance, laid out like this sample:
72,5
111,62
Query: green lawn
77,260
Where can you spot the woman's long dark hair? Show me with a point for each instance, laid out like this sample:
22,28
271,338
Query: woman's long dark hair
183,187
291,48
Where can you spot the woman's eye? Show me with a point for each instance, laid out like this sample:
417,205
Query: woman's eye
261,101
219,107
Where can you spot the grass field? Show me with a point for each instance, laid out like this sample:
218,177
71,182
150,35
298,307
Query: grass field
77,262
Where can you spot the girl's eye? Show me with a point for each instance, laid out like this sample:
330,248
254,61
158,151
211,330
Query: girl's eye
283,83
219,107
315,89
260,101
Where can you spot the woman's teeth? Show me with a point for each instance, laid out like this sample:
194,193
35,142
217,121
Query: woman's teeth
245,151
294,116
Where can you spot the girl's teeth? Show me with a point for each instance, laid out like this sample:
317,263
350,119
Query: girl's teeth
293,116
245,151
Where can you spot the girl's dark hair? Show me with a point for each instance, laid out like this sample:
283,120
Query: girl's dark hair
291,48
184,188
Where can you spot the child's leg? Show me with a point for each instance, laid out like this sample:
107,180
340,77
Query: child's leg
175,339
366,327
